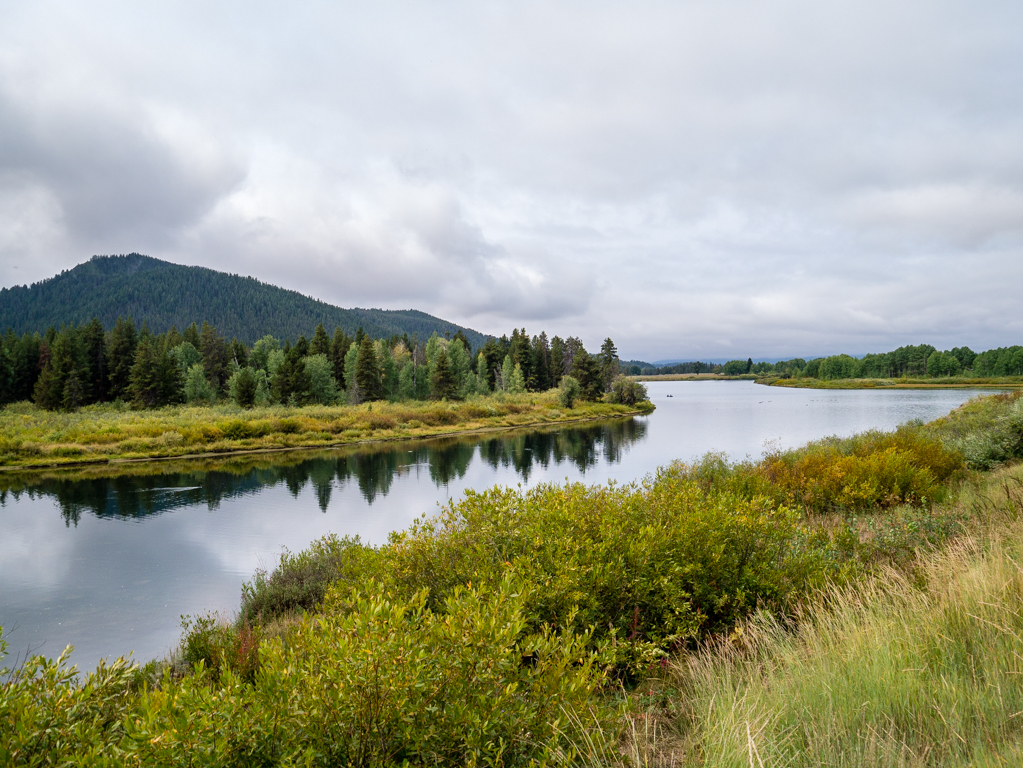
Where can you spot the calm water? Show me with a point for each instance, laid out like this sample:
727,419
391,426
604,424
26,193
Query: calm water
109,564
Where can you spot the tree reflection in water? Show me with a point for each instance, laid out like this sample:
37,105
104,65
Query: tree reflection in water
141,490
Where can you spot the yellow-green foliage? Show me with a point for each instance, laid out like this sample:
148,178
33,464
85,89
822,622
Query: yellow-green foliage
648,566
894,672
873,470
33,436
382,682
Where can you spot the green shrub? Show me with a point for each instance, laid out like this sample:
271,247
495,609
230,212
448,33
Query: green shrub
219,646
626,391
49,715
569,391
300,581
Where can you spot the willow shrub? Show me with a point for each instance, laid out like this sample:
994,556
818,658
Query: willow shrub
872,470
371,680
648,566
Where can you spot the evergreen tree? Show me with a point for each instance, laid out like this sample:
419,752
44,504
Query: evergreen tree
367,371
320,344
352,388
239,353
586,370
242,387
541,380
146,385
94,344
557,360
7,372
443,383
191,335
121,357
64,362
173,337
608,363
521,353
338,349
172,377
215,356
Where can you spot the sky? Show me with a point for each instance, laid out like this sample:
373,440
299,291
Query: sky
693,179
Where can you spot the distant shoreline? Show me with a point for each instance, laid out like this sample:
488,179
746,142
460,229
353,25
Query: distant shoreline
956,382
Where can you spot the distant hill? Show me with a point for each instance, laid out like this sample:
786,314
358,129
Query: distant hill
164,294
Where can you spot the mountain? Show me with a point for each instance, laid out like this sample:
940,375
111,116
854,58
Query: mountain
164,294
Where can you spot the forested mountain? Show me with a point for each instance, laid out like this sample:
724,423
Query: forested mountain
162,294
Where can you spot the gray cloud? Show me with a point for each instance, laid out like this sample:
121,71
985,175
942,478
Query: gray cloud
694,179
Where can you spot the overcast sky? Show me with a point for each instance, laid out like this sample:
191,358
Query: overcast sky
694,179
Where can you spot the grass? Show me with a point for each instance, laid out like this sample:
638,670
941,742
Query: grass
906,669
905,382
33,437
694,377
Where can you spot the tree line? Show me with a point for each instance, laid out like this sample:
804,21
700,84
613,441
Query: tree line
921,360
80,365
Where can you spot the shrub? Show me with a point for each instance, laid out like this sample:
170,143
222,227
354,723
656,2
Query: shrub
626,391
569,391
219,646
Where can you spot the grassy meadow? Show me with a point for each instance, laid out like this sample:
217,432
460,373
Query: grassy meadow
31,436
904,382
853,602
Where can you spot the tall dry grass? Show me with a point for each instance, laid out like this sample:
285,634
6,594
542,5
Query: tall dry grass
919,669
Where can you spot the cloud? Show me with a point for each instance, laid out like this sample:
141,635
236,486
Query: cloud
690,179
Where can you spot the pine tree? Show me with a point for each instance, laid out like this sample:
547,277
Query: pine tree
243,390
586,370
352,386
215,356
191,335
121,357
557,360
608,363
443,382
94,343
541,381
320,344
338,349
367,371
146,386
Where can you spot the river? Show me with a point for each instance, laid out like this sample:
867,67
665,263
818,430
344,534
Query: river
110,563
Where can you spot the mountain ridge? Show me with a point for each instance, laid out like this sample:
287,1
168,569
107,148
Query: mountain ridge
162,294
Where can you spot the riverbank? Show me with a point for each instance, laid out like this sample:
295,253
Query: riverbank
694,377
949,382
31,437
506,629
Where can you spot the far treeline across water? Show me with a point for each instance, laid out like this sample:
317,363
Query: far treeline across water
82,365
917,361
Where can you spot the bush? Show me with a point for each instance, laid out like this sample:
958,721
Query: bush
626,391
220,646
373,680
569,391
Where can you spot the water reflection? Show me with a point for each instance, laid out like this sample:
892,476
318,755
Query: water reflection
143,490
